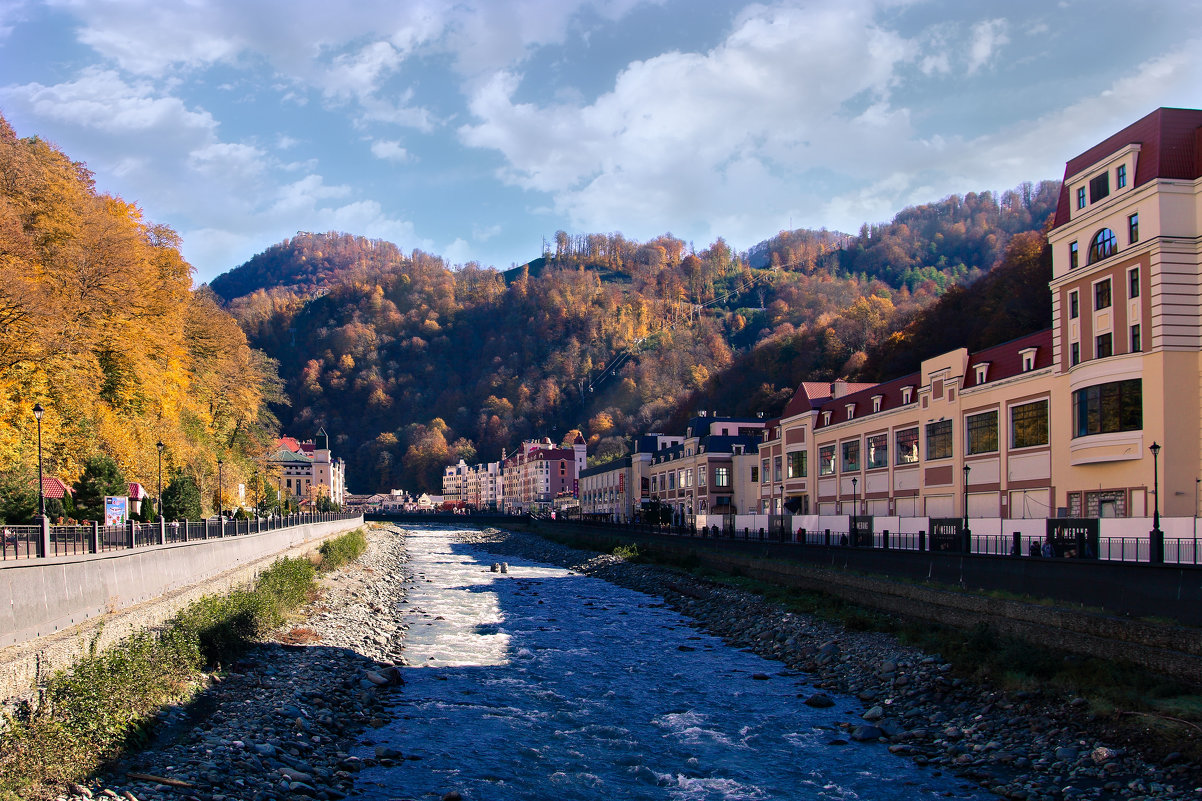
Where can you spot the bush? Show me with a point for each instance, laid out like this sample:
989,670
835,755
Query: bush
339,551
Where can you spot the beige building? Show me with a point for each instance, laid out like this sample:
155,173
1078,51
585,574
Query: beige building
308,471
1055,423
613,491
696,476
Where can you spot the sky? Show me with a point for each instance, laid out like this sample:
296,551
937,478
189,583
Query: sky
476,129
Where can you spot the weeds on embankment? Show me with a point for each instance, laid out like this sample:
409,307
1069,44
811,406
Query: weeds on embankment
107,701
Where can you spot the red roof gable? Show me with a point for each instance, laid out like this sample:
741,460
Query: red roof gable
1170,147
54,487
1006,360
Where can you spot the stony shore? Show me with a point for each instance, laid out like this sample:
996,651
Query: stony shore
283,722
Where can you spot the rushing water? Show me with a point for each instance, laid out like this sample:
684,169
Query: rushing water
543,683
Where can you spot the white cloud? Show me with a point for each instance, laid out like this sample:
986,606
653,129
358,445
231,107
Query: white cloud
988,37
390,150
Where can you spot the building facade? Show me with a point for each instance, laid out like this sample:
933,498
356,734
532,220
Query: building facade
615,490
308,471
538,473
1057,423
696,476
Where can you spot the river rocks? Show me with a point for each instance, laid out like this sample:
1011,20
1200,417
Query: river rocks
819,701
282,723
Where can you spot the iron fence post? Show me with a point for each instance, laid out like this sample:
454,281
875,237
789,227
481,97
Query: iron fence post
94,537
129,534
162,525
44,537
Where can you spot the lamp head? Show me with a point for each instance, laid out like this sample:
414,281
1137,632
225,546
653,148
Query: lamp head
160,446
38,411
1155,448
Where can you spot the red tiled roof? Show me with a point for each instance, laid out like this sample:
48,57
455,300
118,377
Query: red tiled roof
1006,360
291,443
53,487
1170,147
137,491
862,398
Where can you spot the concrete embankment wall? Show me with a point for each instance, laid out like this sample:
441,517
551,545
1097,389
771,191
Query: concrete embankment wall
1165,648
52,610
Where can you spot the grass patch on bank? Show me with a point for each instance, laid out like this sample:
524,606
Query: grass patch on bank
107,701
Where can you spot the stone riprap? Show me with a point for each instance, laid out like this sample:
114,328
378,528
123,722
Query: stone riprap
283,723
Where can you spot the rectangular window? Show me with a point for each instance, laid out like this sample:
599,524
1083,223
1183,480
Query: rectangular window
939,440
826,460
1136,342
907,446
1108,408
1101,295
722,477
701,476
765,474
776,468
1103,346
981,432
797,464
1075,354
687,480
1080,197
1099,187
1074,254
851,456
672,480
878,451
1029,424
1074,305
1133,228
755,475
1120,176
1133,283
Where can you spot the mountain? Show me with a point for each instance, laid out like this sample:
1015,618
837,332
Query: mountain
410,365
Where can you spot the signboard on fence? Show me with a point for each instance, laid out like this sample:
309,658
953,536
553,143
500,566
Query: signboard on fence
947,534
116,510
860,530
1074,537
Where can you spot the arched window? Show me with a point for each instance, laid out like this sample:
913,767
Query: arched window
1103,246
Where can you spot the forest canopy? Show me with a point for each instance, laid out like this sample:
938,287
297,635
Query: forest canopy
100,324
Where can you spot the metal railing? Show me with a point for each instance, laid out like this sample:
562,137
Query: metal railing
1182,551
33,542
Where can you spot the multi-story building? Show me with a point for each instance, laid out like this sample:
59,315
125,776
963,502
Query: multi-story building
1058,422
538,473
308,471
696,476
454,482
614,490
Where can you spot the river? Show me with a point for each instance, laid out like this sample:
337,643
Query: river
543,683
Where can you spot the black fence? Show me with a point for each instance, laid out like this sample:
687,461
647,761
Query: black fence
33,542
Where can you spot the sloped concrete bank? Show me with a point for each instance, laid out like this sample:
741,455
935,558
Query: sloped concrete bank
73,603
1165,648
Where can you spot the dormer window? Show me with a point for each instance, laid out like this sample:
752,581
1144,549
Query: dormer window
826,418
1080,197
1120,176
851,410
907,394
982,372
876,403
1028,355
1099,187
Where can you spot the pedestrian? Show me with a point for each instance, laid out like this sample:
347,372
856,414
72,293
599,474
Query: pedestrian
1049,551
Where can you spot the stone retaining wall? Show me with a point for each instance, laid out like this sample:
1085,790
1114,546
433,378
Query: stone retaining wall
52,610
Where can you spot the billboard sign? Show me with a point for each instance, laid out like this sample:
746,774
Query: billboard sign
116,510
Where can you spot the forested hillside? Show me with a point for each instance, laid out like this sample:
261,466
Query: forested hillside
99,323
410,365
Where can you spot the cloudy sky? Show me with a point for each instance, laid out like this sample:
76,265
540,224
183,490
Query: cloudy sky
474,129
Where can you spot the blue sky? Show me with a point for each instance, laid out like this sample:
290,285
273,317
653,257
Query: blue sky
475,129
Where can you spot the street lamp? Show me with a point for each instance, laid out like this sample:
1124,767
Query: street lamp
279,495
38,411
220,513
855,495
1155,536
158,502
967,532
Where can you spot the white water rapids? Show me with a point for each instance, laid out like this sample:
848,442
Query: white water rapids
545,684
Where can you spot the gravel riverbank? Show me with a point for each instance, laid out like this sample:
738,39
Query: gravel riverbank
283,722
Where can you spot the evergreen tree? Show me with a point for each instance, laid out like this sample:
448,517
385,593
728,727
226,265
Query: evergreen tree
181,499
18,496
101,477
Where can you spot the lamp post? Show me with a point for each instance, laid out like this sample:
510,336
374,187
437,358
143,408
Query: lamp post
855,495
967,531
279,495
1155,536
38,411
158,501
220,513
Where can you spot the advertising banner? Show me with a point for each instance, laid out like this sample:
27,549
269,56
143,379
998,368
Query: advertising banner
116,510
